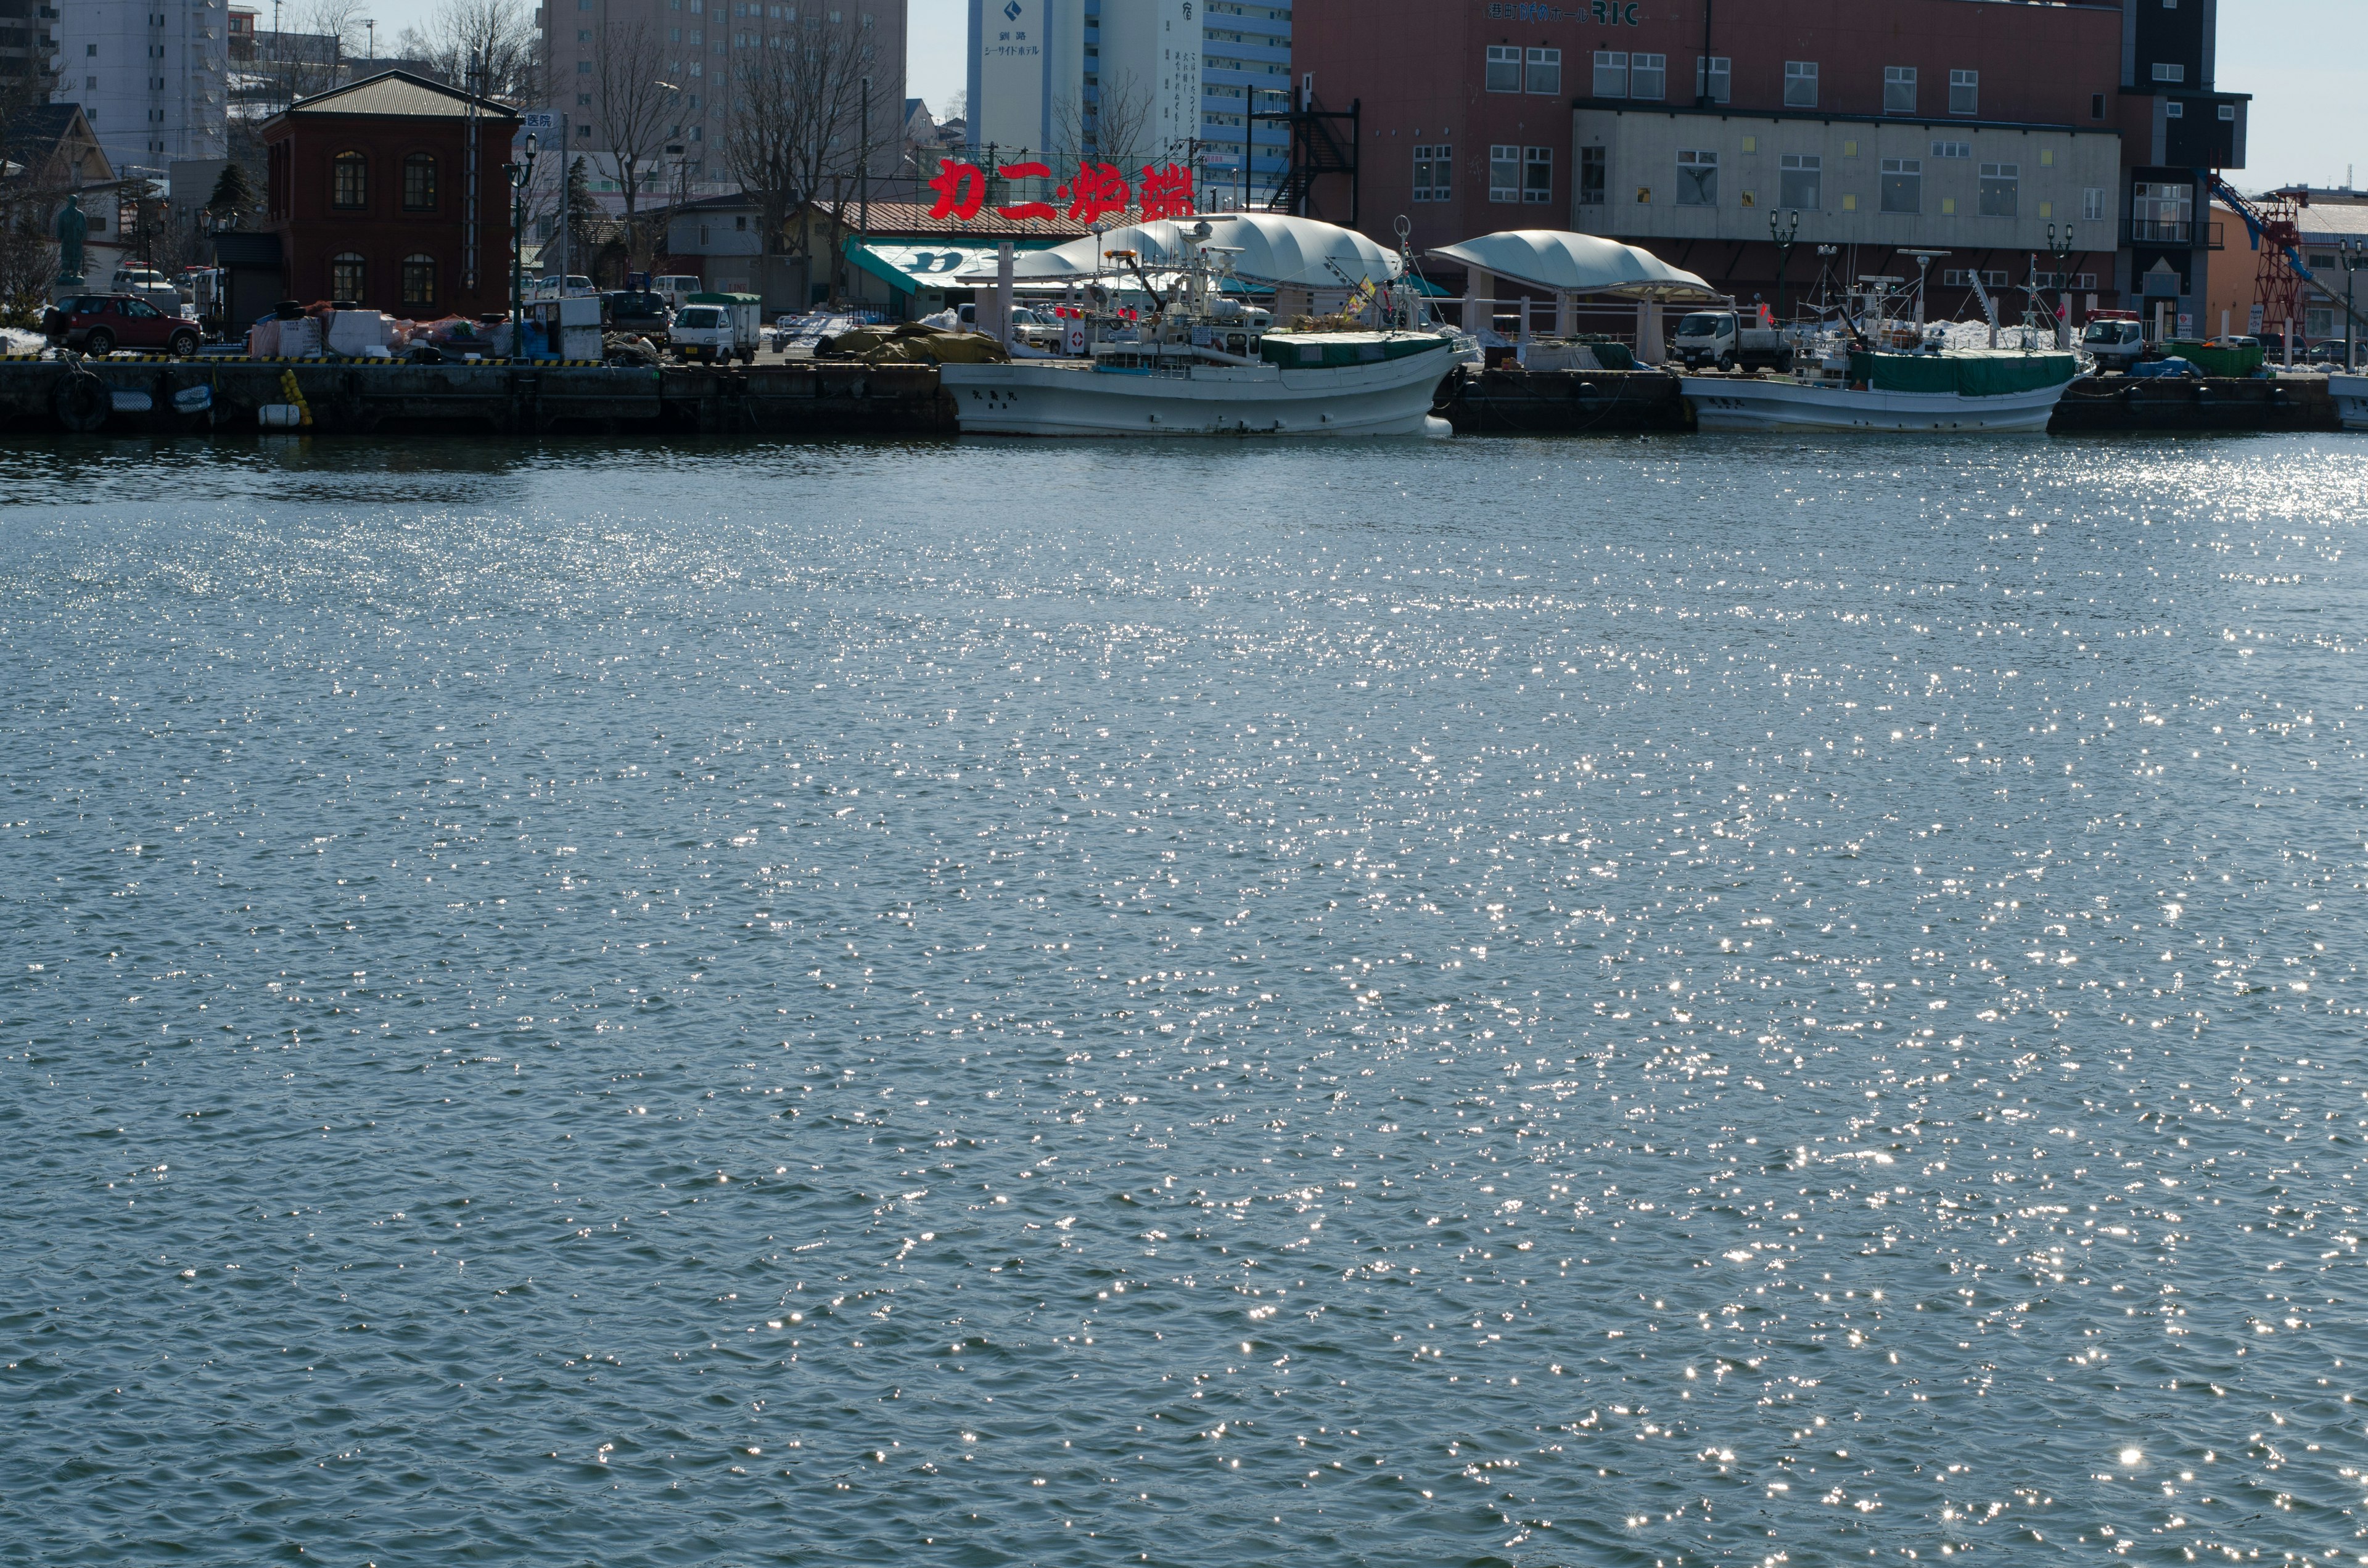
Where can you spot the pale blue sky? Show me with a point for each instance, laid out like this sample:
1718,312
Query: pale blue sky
2309,120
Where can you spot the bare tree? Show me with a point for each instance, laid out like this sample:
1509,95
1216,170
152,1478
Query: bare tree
313,54
28,257
797,130
1111,130
633,104
488,47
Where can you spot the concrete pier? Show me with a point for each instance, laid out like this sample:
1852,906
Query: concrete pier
2127,404
343,397
839,397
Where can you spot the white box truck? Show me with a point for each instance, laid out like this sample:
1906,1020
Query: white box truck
1720,338
717,328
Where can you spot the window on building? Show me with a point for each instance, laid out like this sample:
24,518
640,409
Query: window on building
2161,213
348,180
418,284
1504,68
2092,205
1591,166
2318,322
419,182
1648,76
1800,83
1965,92
346,277
1714,77
1899,89
1903,185
2001,188
1537,173
584,68
1434,178
2164,72
1953,149
1610,74
1545,71
1697,178
1503,174
1799,181
2096,105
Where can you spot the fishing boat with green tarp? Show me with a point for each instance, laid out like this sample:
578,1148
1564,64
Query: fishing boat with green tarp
1990,390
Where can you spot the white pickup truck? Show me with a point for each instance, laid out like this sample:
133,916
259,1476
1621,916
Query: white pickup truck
1719,337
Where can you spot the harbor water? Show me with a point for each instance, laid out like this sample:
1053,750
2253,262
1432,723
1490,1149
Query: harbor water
1641,1001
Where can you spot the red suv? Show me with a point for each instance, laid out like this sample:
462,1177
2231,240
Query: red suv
101,323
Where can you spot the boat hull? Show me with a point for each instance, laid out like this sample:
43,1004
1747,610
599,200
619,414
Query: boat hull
2351,396
1392,397
1786,407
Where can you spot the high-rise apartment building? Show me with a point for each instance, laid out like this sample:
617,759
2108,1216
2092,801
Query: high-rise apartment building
1154,81
1245,69
701,53
152,77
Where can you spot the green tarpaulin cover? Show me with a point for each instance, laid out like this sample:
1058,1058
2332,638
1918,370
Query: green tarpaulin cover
1303,349
1981,372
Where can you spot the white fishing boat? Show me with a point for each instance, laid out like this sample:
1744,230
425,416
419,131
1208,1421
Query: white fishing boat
1183,358
1313,384
1990,391
2351,396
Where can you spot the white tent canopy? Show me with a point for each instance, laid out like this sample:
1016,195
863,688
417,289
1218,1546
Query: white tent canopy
1566,263
1265,248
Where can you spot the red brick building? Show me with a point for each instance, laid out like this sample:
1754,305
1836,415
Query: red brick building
368,194
1992,130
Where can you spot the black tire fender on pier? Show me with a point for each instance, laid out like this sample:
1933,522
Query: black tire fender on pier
82,401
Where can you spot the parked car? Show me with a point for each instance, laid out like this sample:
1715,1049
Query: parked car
146,283
98,325
1038,328
677,288
548,287
637,310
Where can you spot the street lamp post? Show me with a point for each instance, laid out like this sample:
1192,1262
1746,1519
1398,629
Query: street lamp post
2352,251
2060,246
519,174
1783,233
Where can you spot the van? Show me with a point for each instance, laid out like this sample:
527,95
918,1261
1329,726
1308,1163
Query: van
677,287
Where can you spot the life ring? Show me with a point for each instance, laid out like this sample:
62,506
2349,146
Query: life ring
82,401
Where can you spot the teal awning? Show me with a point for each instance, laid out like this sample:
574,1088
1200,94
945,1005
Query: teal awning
914,265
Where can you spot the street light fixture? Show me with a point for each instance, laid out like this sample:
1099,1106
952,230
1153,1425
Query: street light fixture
2061,248
519,174
1783,233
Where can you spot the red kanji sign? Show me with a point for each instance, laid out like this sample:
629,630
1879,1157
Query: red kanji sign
1098,189
1026,210
1166,192
960,188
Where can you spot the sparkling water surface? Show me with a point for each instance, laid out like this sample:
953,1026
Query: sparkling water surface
1430,1003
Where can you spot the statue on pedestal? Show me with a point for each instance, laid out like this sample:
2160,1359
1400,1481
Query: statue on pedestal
71,226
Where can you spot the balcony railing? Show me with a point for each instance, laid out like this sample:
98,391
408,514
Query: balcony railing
2158,232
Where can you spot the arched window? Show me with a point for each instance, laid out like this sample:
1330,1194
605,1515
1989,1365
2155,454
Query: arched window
418,285
419,182
346,277
348,180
